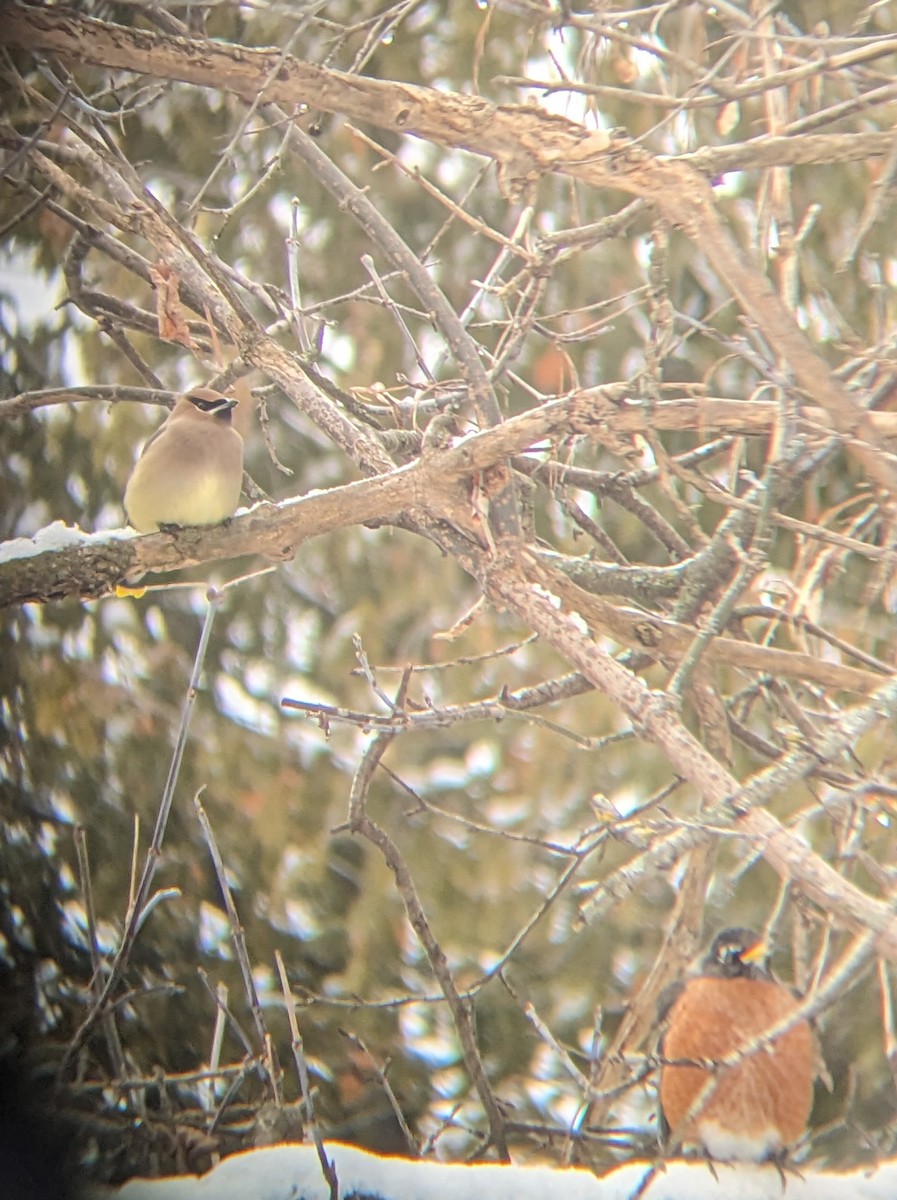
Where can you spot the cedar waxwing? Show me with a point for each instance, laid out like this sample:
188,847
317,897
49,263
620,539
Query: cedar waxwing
191,469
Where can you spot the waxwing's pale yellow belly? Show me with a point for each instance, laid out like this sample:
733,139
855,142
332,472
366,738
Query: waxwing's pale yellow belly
202,499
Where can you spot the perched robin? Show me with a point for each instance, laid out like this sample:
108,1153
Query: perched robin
191,469
757,1107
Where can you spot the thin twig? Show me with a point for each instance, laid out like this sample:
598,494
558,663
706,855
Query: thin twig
238,940
328,1167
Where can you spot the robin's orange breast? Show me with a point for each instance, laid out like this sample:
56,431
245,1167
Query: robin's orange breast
760,1104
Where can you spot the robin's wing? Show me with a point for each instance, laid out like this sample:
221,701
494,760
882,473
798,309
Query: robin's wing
663,1127
665,1002
667,999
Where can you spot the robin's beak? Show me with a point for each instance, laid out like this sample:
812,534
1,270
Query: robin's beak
758,953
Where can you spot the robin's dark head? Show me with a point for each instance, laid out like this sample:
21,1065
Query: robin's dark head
738,954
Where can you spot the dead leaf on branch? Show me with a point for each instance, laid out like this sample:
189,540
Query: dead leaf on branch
172,326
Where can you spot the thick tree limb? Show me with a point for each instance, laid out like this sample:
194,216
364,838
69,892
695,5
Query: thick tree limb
275,532
429,486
